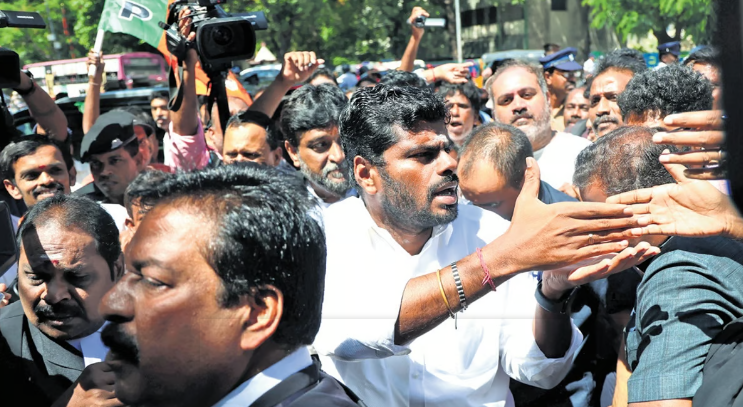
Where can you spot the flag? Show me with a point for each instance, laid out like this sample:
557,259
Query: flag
138,19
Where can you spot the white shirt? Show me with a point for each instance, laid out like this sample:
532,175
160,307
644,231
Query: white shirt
557,160
91,347
367,272
258,385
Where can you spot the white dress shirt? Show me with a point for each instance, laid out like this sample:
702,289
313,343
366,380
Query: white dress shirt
258,385
91,347
557,160
367,272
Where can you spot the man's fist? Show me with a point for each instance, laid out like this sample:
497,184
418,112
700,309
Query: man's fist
94,387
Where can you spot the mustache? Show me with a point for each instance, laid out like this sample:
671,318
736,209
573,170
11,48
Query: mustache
43,189
524,115
120,343
605,119
57,311
330,167
452,177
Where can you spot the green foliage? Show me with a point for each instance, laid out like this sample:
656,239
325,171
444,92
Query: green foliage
639,17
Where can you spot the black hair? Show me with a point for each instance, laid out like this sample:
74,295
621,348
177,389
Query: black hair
70,212
668,90
371,122
139,188
550,47
258,118
505,146
309,108
469,90
27,145
403,78
262,234
624,59
160,94
624,160
706,55
324,72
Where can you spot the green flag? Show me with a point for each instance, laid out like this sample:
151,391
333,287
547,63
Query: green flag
137,18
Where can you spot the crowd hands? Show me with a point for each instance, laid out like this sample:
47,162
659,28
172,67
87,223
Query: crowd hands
333,191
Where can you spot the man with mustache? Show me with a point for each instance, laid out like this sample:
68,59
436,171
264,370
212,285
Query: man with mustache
404,257
576,108
191,326
69,258
463,102
112,148
521,98
309,121
251,137
613,73
560,69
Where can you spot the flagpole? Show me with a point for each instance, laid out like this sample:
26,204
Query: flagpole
97,49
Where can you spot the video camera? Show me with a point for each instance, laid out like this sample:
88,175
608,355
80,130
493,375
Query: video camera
221,38
10,67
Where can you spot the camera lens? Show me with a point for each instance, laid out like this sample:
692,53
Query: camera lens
222,35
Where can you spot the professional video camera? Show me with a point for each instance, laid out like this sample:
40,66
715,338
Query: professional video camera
221,38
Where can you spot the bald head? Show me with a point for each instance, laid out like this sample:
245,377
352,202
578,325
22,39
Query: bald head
492,165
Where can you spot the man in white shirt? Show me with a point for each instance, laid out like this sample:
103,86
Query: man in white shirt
520,98
384,331
69,258
192,326
309,121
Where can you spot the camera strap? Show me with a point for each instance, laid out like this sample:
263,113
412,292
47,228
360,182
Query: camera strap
176,92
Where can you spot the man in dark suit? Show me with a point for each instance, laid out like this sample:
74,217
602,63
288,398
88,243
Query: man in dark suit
222,295
491,169
69,258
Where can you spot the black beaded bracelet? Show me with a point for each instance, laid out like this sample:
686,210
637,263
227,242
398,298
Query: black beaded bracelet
458,283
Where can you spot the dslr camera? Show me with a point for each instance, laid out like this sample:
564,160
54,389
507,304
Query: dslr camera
10,67
220,37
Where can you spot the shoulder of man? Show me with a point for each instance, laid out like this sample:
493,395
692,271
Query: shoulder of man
550,195
571,140
328,392
11,326
91,191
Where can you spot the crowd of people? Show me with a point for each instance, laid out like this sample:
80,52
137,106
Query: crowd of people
552,239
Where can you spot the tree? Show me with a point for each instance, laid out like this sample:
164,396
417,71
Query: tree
689,17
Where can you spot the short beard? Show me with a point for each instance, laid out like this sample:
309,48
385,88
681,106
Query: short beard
400,207
540,133
335,186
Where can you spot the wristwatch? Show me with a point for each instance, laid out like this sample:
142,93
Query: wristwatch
561,306
30,90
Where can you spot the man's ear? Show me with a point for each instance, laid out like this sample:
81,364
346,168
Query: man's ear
118,269
293,153
548,78
73,176
278,154
12,189
366,175
260,315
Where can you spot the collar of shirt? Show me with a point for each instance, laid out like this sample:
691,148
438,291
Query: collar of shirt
258,385
91,346
320,202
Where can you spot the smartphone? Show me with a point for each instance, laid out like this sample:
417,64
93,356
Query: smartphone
8,247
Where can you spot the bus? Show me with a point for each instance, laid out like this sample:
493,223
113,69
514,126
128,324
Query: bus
123,71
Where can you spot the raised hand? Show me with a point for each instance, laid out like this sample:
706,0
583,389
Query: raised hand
185,25
4,297
299,66
453,73
417,32
690,208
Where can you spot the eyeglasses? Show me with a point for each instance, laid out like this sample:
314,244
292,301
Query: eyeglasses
568,74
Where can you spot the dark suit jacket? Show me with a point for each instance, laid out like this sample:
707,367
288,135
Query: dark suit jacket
44,368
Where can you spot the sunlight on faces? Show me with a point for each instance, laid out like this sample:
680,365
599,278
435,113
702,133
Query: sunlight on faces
321,159
519,101
113,171
247,143
61,280
38,176
604,112
462,117
418,181
487,188
713,75
168,305
144,144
